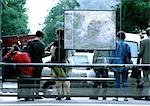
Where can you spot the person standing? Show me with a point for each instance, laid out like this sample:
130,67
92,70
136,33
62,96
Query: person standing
25,87
119,56
59,55
144,58
100,57
35,48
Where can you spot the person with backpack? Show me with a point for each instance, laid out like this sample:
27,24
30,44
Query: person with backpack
122,55
35,49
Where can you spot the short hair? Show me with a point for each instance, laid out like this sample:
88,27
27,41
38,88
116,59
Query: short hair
39,34
148,31
121,35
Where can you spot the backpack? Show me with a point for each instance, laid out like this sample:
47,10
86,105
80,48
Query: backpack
127,55
122,54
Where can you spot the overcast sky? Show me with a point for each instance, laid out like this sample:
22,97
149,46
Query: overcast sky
37,11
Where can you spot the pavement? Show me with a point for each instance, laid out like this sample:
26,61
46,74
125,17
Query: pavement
75,101
6,100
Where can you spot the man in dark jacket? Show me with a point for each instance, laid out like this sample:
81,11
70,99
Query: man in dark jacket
35,48
144,58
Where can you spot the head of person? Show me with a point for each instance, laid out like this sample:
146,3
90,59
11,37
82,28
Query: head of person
60,34
121,35
39,34
56,42
148,32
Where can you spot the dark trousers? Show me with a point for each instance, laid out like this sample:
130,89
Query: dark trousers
37,74
25,88
100,73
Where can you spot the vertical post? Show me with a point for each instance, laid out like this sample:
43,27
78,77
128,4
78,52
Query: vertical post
120,15
0,46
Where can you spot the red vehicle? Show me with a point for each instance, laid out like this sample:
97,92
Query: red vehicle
20,40
17,39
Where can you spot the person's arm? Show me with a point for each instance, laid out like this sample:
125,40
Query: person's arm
141,52
52,51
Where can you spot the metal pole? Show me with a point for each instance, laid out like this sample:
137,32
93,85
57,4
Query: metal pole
0,46
120,15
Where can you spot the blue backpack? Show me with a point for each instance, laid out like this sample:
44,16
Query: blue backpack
122,54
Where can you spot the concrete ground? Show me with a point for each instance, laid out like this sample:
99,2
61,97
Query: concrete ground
75,101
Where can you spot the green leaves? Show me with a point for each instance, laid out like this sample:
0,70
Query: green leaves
55,19
14,19
135,14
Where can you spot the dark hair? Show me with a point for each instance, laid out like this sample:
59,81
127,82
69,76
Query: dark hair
39,34
121,35
60,33
56,43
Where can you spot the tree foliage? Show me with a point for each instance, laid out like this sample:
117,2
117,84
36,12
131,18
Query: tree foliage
55,18
135,15
14,18
131,15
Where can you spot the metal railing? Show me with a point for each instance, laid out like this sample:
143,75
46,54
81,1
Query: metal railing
129,66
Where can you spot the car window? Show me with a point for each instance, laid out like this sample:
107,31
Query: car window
133,47
80,59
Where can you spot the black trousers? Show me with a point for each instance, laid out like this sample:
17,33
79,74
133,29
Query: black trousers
101,73
25,87
37,74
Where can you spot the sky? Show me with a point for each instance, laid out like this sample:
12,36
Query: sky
37,10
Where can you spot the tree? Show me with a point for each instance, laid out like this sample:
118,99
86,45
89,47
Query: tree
55,19
134,15
14,19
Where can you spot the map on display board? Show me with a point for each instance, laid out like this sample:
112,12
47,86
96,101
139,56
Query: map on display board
93,30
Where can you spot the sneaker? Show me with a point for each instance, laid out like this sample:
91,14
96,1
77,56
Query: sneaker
115,99
125,99
104,98
58,98
29,99
38,97
96,98
68,98
147,98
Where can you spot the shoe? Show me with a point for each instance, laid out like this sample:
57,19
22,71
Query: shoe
38,97
29,99
125,99
58,98
96,98
115,99
147,98
68,98
104,98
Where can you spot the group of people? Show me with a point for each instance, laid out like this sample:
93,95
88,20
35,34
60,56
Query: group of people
118,56
122,55
34,52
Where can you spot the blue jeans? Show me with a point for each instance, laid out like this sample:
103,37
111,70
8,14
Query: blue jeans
121,81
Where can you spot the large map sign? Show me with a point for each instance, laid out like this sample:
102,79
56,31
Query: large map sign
93,30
